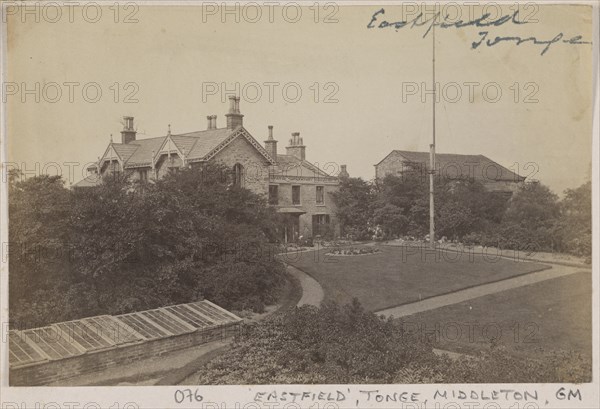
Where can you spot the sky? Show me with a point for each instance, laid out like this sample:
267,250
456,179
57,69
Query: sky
361,88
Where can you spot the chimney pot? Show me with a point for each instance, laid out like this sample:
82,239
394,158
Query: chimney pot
343,172
128,123
234,117
271,144
296,147
128,133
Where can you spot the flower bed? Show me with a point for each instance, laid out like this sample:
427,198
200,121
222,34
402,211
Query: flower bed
353,251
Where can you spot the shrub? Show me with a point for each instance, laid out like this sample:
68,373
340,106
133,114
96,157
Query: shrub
133,247
345,344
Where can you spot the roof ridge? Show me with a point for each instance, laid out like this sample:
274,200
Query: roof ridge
145,139
202,130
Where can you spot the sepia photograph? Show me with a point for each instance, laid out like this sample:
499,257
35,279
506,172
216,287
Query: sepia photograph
299,204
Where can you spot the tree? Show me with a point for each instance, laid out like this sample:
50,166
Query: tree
353,202
135,246
462,206
534,206
392,219
39,245
575,221
530,220
404,198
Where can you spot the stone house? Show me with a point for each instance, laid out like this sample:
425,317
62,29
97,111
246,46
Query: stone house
298,189
495,177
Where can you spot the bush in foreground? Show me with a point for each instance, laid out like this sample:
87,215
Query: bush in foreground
347,344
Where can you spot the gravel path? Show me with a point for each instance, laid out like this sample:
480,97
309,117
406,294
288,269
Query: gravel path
478,291
312,292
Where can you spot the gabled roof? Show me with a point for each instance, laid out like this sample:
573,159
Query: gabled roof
480,166
196,146
89,181
143,154
124,150
290,165
206,141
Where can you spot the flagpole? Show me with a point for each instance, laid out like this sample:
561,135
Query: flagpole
432,156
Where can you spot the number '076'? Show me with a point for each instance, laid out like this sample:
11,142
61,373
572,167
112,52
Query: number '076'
187,395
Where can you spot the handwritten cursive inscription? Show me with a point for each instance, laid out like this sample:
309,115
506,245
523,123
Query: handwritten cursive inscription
483,21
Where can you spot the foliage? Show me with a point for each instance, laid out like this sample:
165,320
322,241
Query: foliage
536,220
533,219
353,202
136,246
533,206
498,366
345,344
353,251
575,222
39,246
332,344
461,205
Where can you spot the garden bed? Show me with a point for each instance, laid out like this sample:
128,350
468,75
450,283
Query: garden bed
353,251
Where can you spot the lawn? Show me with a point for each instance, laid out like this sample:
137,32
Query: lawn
532,320
398,275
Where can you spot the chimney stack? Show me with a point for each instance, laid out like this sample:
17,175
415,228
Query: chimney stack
234,117
271,144
212,122
343,172
296,147
128,133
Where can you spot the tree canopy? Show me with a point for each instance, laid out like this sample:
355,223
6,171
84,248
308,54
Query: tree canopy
132,246
532,219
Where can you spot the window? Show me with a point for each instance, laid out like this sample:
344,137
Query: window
295,195
238,175
144,175
320,195
321,225
114,167
273,194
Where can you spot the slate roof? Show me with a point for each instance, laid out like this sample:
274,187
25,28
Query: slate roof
195,145
202,145
143,152
449,163
90,181
292,166
206,141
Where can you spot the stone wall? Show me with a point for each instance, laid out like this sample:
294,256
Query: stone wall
256,167
308,202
